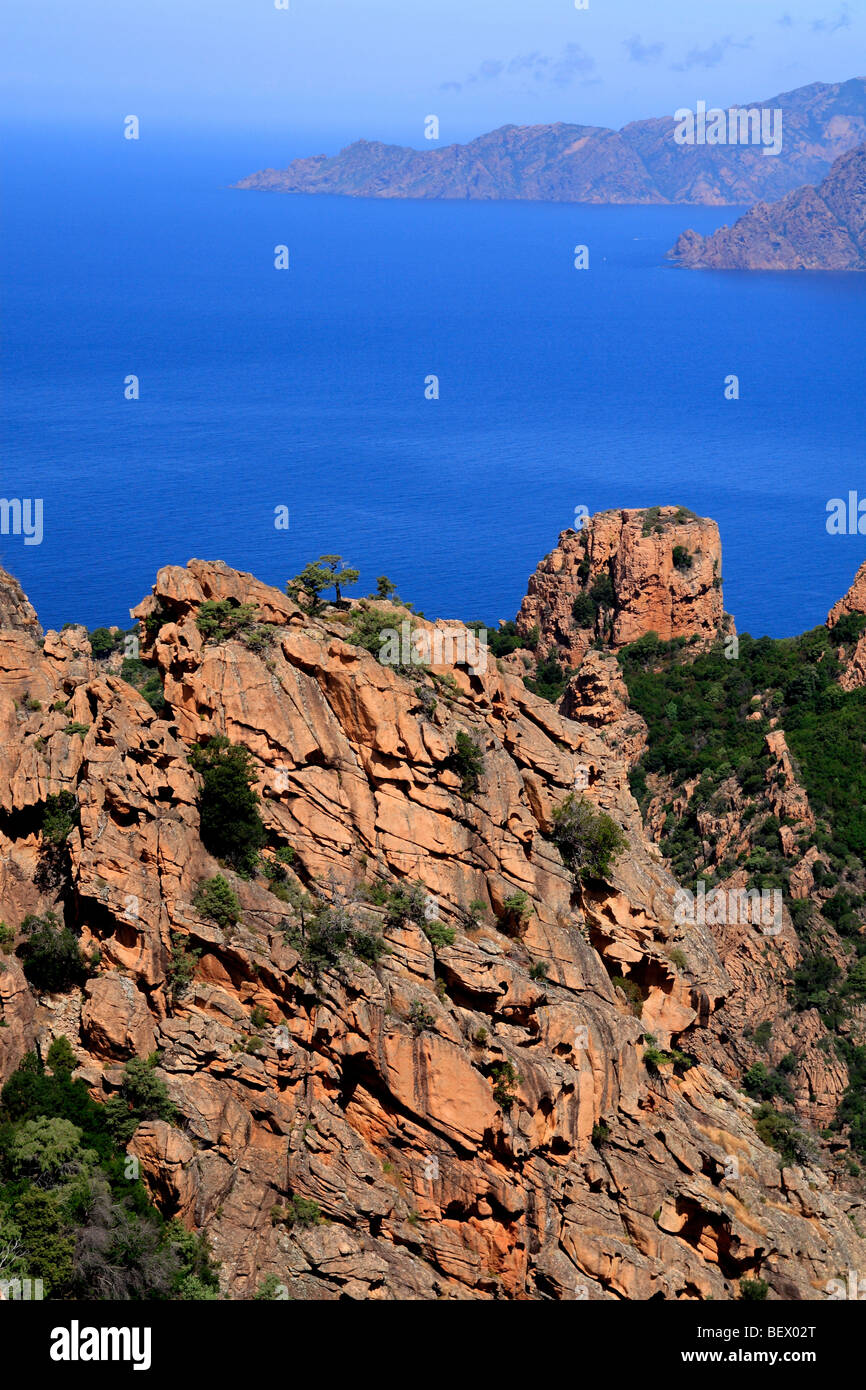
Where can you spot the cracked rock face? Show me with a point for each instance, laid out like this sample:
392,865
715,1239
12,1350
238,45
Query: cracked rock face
514,1143
663,568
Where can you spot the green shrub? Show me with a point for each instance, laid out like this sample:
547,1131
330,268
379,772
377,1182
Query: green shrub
467,761
215,899
763,1033
584,611
304,1212
504,640
270,1290
588,840
50,955
762,1084
849,629
602,592
632,991
438,934
218,620
103,641
780,1132
504,1077
550,679
180,970
516,913
143,1096
60,816
61,1059
655,1059
145,678
471,915
368,629
231,827
754,1289
682,558
420,1017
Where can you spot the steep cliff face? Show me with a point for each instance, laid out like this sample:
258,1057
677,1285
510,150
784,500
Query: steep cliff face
642,163
480,1112
821,228
623,575
853,606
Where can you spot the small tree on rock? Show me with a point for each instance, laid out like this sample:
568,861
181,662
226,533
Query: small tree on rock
328,572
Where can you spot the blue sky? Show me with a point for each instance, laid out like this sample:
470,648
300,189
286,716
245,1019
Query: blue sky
338,69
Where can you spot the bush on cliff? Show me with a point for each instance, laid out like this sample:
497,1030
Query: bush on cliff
467,761
146,680
780,1132
103,641
602,592
143,1096
231,827
588,840
374,628
550,680
584,610
50,956
327,929
180,968
220,620
764,1084
60,816
216,899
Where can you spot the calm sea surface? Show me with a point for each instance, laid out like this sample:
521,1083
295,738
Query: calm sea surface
306,388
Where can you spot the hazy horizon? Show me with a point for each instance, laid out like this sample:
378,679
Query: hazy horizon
339,71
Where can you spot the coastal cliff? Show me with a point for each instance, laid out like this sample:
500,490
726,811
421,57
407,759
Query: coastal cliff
821,228
408,1037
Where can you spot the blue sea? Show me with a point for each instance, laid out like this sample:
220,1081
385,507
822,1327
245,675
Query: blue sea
305,388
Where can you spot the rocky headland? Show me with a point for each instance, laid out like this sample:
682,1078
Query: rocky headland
821,228
641,163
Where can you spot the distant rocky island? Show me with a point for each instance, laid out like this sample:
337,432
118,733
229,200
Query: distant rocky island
821,228
641,163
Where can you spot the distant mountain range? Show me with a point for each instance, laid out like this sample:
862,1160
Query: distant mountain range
821,228
642,163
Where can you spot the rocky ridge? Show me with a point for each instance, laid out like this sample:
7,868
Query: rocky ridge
514,1143
642,163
